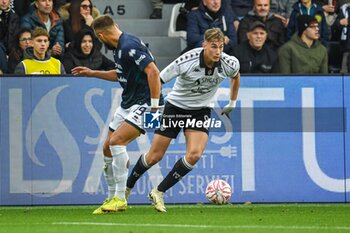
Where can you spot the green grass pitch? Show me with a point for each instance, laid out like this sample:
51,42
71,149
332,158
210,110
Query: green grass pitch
254,218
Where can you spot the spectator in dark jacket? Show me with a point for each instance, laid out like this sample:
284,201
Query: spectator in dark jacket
83,52
210,14
341,32
261,12
23,41
308,7
22,7
254,55
241,7
46,17
9,24
3,59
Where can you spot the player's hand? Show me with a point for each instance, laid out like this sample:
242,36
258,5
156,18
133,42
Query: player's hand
228,108
81,70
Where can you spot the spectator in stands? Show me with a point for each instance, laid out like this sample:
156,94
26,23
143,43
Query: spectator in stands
341,26
77,15
308,7
187,6
254,55
37,59
3,59
84,53
341,33
24,40
282,9
338,4
157,9
261,12
22,7
57,4
304,53
46,17
329,9
9,24
241,7
210,14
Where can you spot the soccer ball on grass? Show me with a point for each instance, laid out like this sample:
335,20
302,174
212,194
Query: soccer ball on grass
218,192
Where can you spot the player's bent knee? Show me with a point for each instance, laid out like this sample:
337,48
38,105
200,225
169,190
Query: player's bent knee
106,150
153,158
193,157
117,140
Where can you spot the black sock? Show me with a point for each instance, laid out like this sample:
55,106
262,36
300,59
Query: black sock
138,170
180,169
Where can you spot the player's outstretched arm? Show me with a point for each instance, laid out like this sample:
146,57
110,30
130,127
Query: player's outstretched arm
154,84
234,87
109,75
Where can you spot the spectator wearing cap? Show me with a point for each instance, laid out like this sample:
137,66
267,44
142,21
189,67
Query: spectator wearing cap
254,55
304,53
261,12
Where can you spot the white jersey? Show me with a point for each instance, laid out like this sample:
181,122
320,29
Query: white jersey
195,83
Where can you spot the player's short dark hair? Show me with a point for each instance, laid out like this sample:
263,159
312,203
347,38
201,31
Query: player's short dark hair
102,22
214,34
39,31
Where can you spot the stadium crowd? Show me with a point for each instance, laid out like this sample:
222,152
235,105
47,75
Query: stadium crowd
267,36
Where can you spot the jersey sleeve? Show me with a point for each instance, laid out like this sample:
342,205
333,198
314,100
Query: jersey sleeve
234,65
170,72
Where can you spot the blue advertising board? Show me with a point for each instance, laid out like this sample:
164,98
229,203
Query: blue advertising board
285,142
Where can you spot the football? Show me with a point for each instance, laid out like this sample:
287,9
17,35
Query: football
218,192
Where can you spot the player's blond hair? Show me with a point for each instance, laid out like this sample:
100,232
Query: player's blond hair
103,22
214,34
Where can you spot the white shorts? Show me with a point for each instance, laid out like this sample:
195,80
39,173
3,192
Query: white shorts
132,115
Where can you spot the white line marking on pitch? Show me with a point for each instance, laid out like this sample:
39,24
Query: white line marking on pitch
344,228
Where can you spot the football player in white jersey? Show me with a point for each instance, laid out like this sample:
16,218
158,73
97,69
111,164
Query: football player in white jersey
198,74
